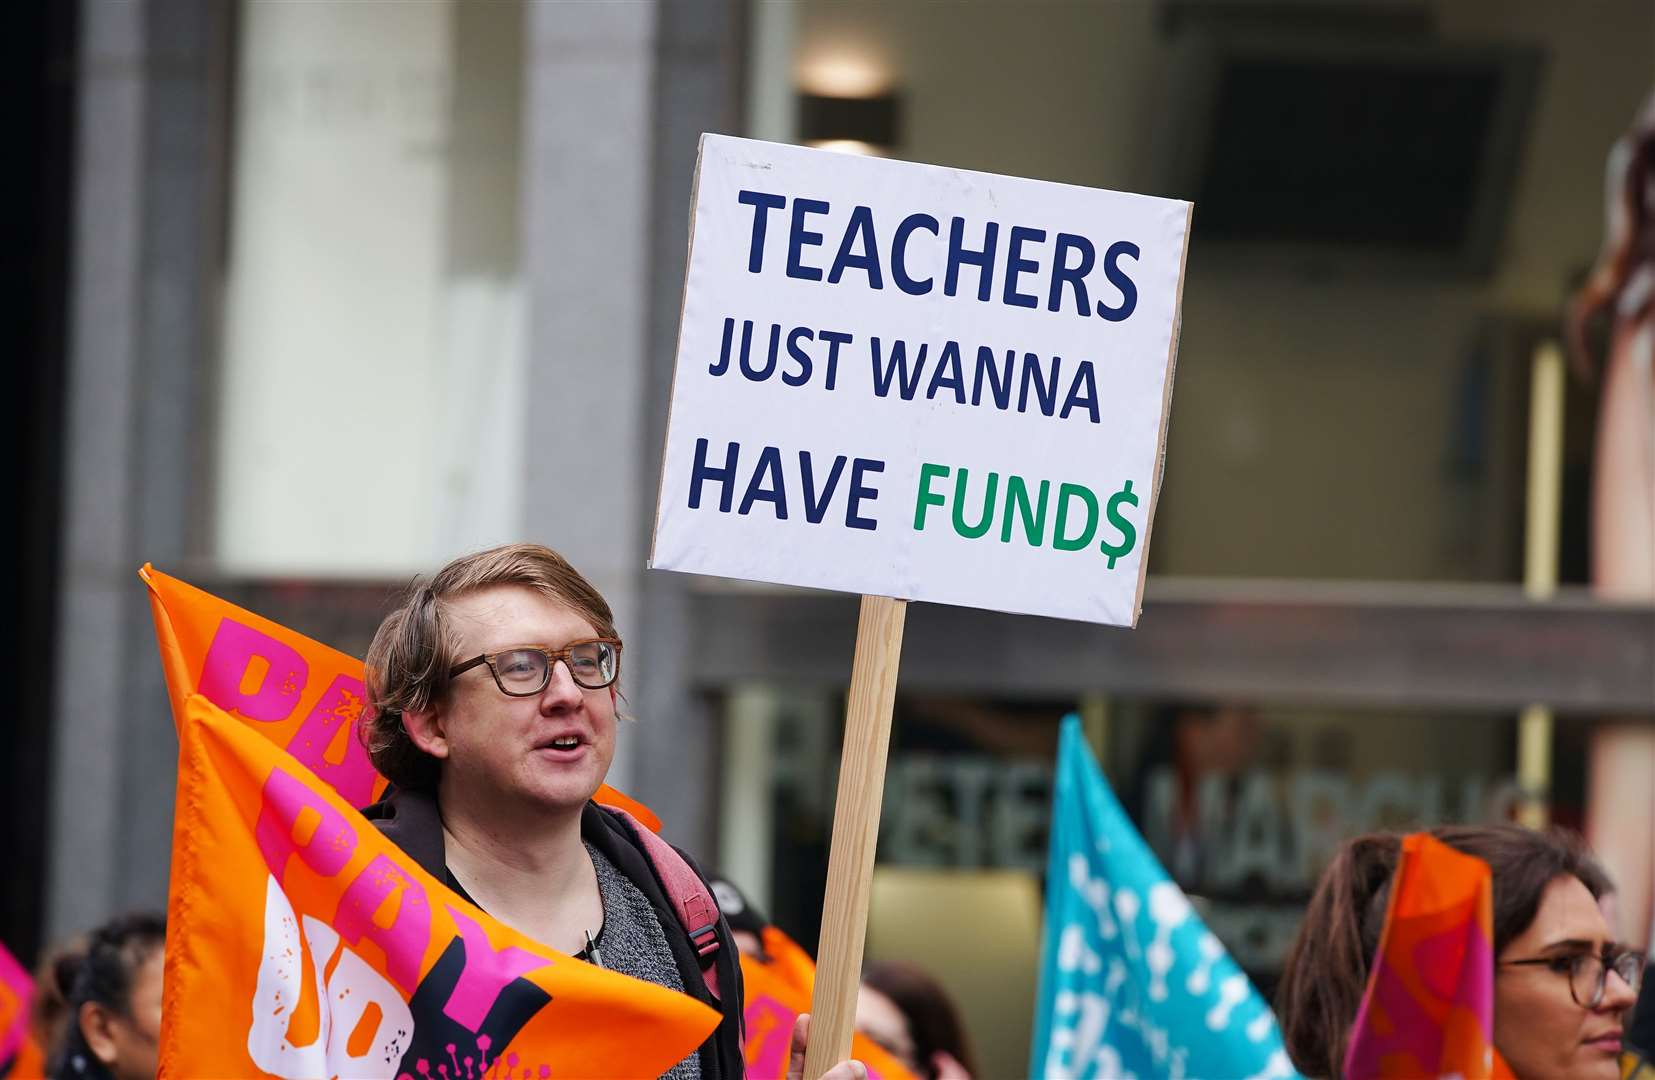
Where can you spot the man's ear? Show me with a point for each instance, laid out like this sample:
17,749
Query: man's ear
427,731
97,1027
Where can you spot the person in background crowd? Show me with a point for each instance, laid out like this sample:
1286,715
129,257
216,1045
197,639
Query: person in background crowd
1621,287
112,994
907,1012
1190,747
765,944
48,1008
494,688
1619,296
1562,984
747,922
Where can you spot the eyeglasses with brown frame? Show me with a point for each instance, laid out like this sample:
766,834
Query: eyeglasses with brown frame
593,663
1588,972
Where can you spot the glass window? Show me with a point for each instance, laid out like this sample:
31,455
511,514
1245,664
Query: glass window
373,349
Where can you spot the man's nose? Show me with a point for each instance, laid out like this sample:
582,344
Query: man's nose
561,688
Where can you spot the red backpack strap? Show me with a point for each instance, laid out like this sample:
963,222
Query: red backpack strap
686,892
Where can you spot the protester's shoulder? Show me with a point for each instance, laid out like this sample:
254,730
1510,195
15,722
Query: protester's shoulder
411,821
633,831
686,900
611,819
382,813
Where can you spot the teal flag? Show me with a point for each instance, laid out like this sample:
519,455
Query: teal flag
1132,983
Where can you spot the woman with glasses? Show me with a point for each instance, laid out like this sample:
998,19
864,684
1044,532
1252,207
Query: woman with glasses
494,688
1562,985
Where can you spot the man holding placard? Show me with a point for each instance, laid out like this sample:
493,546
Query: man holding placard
907,381
494,688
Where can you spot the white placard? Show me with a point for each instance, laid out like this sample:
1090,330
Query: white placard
919,382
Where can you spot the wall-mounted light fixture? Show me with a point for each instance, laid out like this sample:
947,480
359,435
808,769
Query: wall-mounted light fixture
858,125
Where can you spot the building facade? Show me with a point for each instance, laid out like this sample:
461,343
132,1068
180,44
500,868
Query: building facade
347,289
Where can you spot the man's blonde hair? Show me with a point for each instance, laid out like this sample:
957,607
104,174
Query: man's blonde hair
408,662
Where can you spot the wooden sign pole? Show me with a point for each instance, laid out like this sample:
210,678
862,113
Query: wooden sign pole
855,832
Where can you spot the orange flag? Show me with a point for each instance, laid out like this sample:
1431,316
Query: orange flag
303,943
777,991
28,1064
298,693
20,1055
1429,1006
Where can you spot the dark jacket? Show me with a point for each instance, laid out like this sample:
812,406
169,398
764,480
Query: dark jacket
75,1061
411,821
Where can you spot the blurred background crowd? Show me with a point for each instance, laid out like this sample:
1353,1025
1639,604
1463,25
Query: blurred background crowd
310,297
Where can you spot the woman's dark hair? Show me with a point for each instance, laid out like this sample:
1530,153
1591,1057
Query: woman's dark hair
1326,970
49,1006
103,973
933,1022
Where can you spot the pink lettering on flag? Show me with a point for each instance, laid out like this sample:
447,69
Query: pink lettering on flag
234,648
486,973
769,1036
333,722
16,989
329,845
405,938
1458,966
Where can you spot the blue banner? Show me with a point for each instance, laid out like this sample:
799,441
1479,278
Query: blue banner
1132,983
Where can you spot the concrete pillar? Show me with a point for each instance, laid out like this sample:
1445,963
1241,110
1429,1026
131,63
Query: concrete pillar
588,143
697,89
145,242
616,96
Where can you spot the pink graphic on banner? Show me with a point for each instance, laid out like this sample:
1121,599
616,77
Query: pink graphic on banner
1429,1005
327,742
486,973
1412,1032
279,673
288,800
405,939
16,991
769,1026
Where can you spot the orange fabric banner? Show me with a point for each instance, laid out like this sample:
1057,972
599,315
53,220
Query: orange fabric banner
1429,1005
28,1064
302,943
298,693
20,1055
777,992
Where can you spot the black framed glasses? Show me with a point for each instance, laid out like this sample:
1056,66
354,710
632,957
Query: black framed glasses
524,671
1588,972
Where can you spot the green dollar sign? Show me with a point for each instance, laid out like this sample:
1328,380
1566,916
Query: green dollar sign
1129,535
